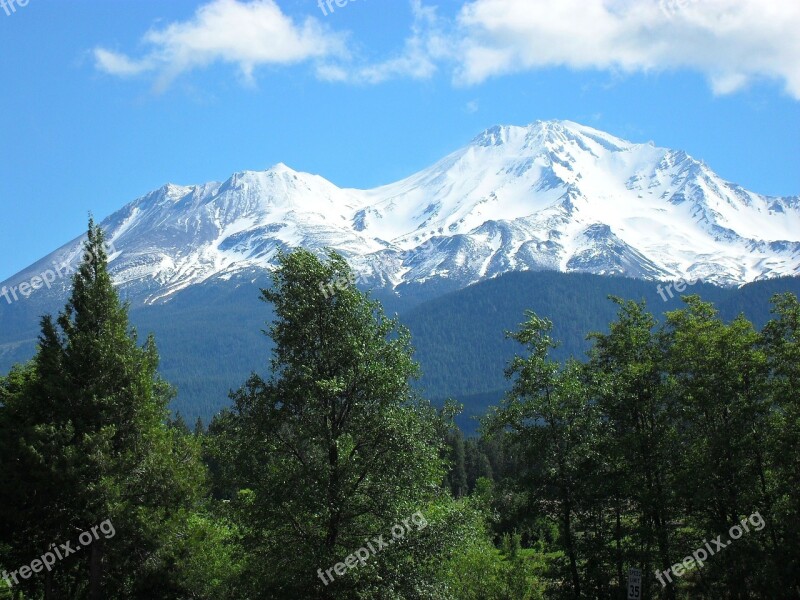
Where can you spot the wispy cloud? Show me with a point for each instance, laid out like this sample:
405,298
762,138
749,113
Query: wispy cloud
732,42
245,34
423,50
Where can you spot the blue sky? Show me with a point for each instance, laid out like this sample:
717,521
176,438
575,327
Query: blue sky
104,101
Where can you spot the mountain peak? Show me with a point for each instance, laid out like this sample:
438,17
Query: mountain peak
576,132
281,168
547,135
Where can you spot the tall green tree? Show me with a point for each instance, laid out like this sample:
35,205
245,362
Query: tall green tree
334,448
640,442
548,412
781,342
718,378
85,433
476,463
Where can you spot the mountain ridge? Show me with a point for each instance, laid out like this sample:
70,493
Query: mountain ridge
553,195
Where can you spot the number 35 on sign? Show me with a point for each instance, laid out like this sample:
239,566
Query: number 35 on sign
634,584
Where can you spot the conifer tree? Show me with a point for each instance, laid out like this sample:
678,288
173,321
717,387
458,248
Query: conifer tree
86,433
456,478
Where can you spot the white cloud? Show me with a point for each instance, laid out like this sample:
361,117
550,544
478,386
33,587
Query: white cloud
246,34
730,41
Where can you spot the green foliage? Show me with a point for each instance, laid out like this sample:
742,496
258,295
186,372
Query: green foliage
669,435
481,572
548,413
456,478
335,446
207,555
781,450
84,440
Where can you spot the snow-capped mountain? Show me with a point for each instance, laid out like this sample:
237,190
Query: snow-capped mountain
554,195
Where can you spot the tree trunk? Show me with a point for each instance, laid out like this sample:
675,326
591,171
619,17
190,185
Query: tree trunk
573,559
96,570
48,586
618,539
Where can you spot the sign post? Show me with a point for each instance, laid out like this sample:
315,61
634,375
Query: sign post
634,584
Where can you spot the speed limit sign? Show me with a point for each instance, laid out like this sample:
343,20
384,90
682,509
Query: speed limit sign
634,584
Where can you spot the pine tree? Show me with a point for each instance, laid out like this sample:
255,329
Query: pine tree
457,476
87,433
476,463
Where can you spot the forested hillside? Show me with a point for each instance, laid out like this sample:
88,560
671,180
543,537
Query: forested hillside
212,336
672,447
